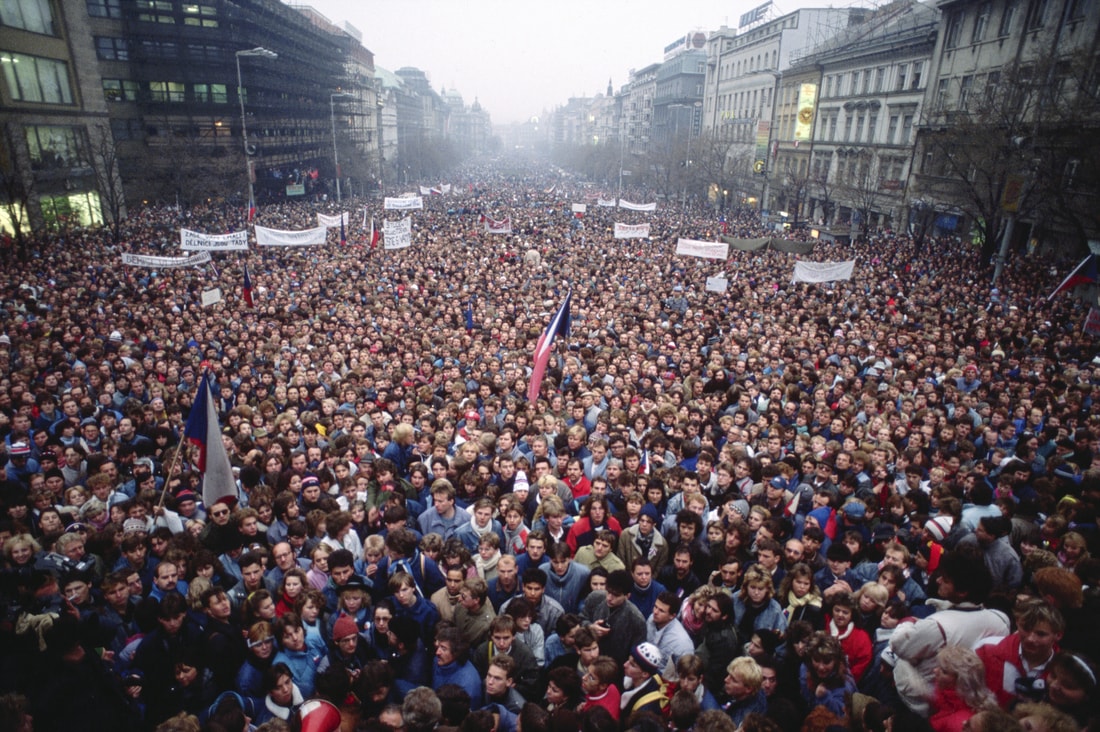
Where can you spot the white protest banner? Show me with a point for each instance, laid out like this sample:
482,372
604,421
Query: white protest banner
702,249
580,208
445,188
425,191
142,260
631,231
331,222
823,271
717,284
277,238
637,206
210,297
403,204
504,226
606,202
397,234
194,241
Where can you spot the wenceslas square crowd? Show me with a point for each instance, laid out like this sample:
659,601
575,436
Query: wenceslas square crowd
867,504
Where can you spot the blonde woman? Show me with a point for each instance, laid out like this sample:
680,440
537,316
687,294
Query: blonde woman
959,690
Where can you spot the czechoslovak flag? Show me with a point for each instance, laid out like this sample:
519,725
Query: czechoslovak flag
373,234
559,325
203,431
246,288
1083,274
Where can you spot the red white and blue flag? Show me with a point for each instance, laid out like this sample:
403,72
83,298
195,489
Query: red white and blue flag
246,288
203,431
251,208
559,325
1083,274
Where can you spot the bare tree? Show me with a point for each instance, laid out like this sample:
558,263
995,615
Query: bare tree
103,156
1030,126
863,187
793,189
16,188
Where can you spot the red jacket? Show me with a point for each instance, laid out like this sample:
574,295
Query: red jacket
1003,666
857,648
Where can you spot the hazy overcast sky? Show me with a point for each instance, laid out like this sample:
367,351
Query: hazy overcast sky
520,57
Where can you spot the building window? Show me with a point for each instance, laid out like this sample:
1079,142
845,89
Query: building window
112,49
36,79
892,129
880,79
832,126
155,11
1079,9
981,23
53,148
211,93
867,81
965,87
941,95
167,50
118,90
1007,18
906,129
34,16
126,129
872,123
166,91
1037,18
104,8
903,73
854,89
954,30
859,128
918,71
847,128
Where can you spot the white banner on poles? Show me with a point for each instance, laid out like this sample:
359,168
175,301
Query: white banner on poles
397,234
195,241
143,260
425,191
606,202
331,222
823,271
637,206
492,226
702,249
631,231
266,237
404,204
580,208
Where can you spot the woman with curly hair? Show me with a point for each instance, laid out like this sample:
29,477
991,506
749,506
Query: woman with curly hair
825,681
959,690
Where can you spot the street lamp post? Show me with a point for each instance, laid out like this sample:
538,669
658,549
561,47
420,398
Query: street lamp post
381,148
259,52
335,157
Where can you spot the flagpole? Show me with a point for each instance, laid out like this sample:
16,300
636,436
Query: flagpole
172,467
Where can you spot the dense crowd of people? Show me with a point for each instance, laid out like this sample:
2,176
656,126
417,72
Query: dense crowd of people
868,504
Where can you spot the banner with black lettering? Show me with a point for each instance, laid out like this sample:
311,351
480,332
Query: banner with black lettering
702,249
631,231
331,222
404,204
143,260
397,234
823,271
637,206
194,241
277,238
606,202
